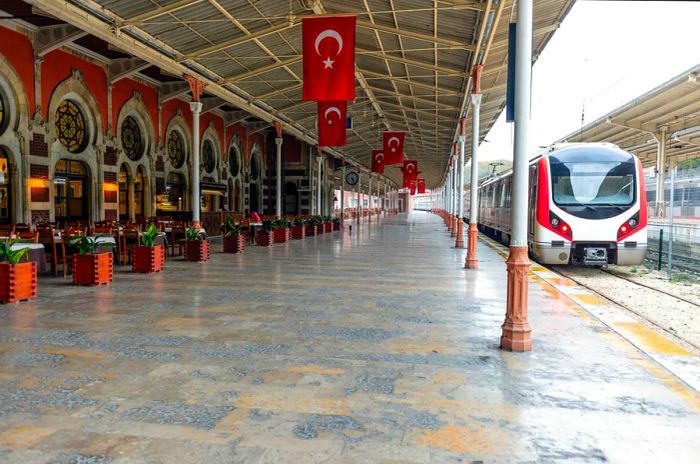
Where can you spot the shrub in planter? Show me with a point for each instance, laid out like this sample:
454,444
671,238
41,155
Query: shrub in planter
148,257
91,267
196,245
233,239
327,224
298,229
312,226
281,231
17,280
265,237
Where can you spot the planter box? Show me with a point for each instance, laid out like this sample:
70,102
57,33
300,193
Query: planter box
92,269
281,234
327,227
310,231
265,238
336,225
148,259
17,281
234,243
197,250
298,232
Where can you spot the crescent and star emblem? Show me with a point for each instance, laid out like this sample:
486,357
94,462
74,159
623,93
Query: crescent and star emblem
328,34
393,139
332,109
379,157
409,167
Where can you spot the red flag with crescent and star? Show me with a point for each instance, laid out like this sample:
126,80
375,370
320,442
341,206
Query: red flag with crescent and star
421,185
328,44
378,161
412,186
410,169
331,123
393,147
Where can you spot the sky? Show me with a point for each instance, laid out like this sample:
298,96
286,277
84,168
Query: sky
605,54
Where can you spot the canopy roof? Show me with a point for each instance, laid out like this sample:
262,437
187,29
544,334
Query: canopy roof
413,60
673,106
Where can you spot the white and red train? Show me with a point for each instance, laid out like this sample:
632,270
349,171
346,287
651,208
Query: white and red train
587,206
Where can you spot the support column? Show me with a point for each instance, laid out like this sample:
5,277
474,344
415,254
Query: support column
459,243
660,200
516,334
278,173
369,198
453,218
472,262
359,195
342,194
130,199
319,200
196,87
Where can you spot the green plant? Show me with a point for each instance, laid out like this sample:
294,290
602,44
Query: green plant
680,278
282,223
327,218
268,225
298,221
148,238
89,245
231,227
193,234
10,255
634,270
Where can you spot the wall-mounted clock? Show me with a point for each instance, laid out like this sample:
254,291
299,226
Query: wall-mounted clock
352,178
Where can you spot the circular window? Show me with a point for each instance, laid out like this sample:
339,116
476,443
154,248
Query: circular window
254,167
176,149
233,160
4,113
70,126
208,158
132,140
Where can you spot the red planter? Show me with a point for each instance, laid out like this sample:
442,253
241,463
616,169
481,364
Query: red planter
234,243
92,269
197,250
148,259
310,231
327,227
17,281
264,238
298,232
281,234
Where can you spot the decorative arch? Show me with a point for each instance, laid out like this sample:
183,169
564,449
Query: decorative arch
135,108
15,92
178,123
234,157
74,88
210,135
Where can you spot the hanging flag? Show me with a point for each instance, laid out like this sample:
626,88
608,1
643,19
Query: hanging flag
378,161
328,44
393,147
331,123
410,169
406,182
412,186
421,185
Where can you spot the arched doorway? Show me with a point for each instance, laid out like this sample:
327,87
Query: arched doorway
138,194
71,183
124,207
254,200
5,188
291,198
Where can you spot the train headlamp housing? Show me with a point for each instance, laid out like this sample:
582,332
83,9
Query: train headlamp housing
628,227
560,227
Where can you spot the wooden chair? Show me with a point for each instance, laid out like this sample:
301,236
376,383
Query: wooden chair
28,236
131,237
178,233
55,253
23,228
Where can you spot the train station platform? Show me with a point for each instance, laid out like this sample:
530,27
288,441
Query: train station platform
375,346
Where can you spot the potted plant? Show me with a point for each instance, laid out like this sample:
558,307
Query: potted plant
281,231
327,224
148,257
91,266
17,280
298,229
311,228
265,236
196,245
233,239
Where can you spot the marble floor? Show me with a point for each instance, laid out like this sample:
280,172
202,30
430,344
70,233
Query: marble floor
374,347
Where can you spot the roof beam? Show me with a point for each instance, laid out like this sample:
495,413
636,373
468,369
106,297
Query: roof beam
410,62
121,68
169,90
412,97
237,41
441,91
262,70
278,92
413,35
148,15
211,103
51,38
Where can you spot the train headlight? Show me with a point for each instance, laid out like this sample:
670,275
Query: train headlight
628,227
632,223
559,226
555,222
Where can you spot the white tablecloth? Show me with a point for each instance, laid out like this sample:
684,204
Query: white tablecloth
31,246
98,239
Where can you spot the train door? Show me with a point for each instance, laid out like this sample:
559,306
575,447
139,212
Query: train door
532,202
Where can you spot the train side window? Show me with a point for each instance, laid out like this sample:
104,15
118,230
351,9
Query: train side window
503,194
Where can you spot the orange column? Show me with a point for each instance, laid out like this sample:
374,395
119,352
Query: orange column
471,261
516,328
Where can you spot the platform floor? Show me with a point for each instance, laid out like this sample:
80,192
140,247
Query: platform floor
371,347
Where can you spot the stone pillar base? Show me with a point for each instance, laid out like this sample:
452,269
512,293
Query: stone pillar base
459,242
516,328
471,262
453,229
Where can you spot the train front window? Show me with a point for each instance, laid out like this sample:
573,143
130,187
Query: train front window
593,183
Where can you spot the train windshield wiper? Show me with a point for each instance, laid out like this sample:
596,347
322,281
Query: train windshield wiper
613,205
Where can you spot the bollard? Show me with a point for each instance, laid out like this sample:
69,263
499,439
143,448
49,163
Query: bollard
661,248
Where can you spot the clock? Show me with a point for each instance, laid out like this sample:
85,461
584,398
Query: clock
352,178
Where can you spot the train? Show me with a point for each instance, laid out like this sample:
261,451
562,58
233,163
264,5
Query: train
587,206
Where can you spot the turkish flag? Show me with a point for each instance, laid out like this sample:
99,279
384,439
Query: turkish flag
331,123
328,44
378,161
412,186
410,169
406,182
421,185
393,147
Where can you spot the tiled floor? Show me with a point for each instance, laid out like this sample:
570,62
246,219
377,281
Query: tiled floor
375,347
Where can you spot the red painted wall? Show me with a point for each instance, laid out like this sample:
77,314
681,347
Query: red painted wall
57,66
17,49
170,108
204,121
123,90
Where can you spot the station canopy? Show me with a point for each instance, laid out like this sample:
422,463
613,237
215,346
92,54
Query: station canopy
673,106
413,61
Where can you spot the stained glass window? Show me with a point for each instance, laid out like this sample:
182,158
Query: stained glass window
132,139
208,158
70,126
4,117
176,149
233,161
